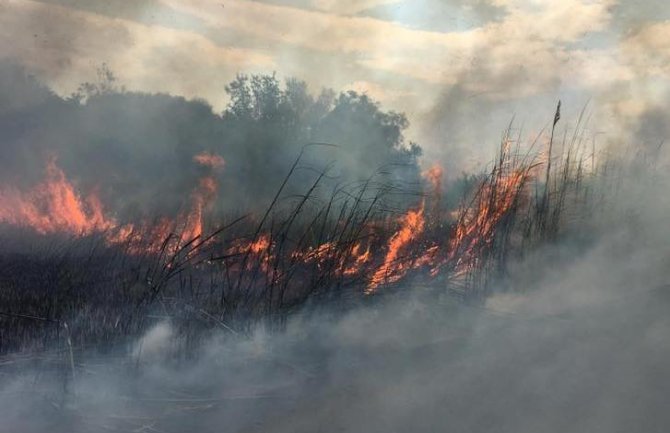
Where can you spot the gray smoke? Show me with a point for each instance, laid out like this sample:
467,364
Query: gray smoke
137,149
579,344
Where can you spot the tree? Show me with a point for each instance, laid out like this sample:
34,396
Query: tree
107,83
240,104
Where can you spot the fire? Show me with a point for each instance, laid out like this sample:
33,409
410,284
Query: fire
402,249
260,245
395,266
421,240
211,160
253,253
348,261
188,226
359,258
256,247
202,199
429,258
317,254
477,224
434,176
54,206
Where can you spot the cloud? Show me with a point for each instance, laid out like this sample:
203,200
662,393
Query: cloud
438,15
350,7
315,30
64,46
528,43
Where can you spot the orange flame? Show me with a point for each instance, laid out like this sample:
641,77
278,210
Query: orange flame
476,226
54,206
434,176
394,266
261,245
258,252
202,199
211,160
186,227
360,258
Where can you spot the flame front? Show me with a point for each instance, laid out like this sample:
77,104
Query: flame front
54,206
395,266
426,237
477,224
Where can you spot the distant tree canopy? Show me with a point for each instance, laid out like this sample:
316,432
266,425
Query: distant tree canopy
138,148
266,125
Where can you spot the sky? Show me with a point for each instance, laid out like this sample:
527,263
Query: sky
460,69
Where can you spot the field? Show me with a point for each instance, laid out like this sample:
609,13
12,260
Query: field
401,300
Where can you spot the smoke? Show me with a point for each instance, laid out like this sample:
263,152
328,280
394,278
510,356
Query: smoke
139,152
652,129
611,60
94,143
575,339
578,344
492,58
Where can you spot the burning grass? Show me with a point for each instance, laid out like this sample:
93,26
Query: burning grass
115,278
